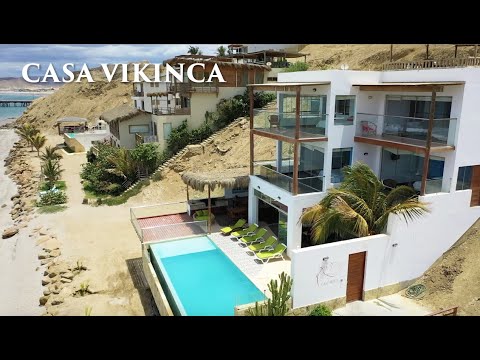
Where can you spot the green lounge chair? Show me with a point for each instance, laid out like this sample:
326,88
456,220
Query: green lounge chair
266,255
264,245
255,237
248,231
228,229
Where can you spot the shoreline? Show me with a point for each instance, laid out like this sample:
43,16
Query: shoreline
19,267
28,92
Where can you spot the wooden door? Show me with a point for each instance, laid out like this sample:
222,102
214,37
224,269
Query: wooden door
475,201
356,272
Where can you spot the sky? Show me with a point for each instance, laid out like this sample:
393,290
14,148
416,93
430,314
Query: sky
14,57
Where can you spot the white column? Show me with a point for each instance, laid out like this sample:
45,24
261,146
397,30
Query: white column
252,205
294,229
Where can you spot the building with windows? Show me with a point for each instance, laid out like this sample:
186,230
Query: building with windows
158,107
416,128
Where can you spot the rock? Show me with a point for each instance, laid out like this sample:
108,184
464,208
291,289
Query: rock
8,233
42,239
51,244
17,195
4,205
43,300
65,280
15,215
45,281
46,292
57,301
55,253
44,261
52,274
42,233
43,256
68,275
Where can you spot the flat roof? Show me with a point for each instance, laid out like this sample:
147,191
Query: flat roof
285,54
72,119
441,83
274,84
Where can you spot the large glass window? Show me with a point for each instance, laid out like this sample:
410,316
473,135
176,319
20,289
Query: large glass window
464,178
167,129
344,109
340,158
402,167
140,129
309,104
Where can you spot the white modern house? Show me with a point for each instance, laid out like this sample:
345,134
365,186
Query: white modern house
158,107
326,120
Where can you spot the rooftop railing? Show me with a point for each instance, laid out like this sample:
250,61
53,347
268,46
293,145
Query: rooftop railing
429,64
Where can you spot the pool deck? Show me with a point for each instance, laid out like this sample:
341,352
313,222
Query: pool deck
154,227
259,274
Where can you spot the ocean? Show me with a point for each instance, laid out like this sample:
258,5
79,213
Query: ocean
7,113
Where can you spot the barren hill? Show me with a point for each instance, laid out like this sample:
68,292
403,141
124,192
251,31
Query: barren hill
372,56
454,279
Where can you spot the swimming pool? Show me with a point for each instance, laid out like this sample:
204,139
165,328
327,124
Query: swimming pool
200,278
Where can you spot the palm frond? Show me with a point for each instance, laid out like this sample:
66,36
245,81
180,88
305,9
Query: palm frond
345,212
399,194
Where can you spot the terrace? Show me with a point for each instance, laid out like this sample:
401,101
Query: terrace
170,221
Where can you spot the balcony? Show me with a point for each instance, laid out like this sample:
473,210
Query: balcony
138,93
306,183
281,124
405,132
190,87
171,111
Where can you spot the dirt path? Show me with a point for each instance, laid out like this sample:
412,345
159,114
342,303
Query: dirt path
102,239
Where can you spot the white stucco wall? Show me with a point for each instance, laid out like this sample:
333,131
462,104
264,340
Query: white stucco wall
127,140
316,280
418,245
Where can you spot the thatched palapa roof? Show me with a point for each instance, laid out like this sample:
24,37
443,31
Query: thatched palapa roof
72,120
221,61
120,113
227,179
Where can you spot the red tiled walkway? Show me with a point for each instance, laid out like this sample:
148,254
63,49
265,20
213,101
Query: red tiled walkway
169,227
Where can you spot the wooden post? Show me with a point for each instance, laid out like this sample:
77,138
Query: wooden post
295,145
295,168
427,51
456,47
251,130
209,211
391,52
188,195
429,143
475,53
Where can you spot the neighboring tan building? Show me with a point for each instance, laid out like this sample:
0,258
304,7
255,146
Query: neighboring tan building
162,106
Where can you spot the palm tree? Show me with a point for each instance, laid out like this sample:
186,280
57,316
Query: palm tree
50,153
194,50
221,50
37,141
51,170
27,132
359,207
123,164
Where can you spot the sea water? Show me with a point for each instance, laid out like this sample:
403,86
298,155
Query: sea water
7,114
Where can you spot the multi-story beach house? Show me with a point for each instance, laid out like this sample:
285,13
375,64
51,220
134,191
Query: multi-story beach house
412,126
158,107
326,120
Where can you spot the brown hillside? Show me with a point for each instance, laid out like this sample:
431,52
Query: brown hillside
372,56
454,280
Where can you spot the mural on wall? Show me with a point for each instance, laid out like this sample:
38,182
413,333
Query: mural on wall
328,273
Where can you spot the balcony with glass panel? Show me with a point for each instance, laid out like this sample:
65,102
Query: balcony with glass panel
409,132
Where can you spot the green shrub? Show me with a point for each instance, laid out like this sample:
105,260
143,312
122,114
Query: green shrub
122,198
60,185
113,189
277,305
179,138
146,156
52,198
321,310
298,66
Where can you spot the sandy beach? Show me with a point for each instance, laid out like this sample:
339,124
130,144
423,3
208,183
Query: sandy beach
20,279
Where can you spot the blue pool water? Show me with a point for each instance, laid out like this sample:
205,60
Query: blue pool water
71,135
201,278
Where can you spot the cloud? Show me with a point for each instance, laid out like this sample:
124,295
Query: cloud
14,57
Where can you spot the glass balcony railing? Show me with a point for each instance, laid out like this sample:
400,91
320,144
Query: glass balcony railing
413,129
306,184
312,124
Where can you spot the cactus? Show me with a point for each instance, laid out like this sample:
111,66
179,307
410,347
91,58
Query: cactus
277,305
